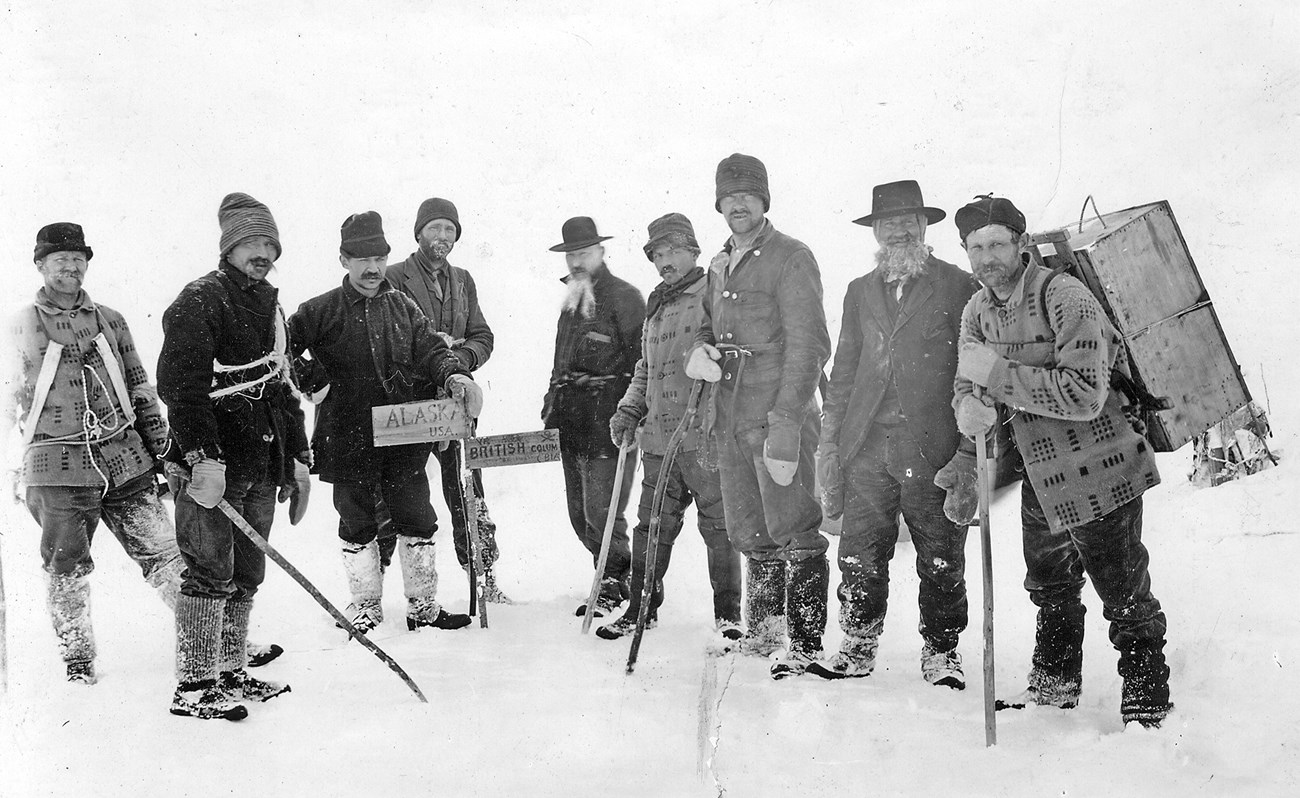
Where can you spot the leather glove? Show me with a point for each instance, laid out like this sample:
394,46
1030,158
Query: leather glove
297,492
830,479
975,418
465,390
781,449
960,480
702,363
975,362
207,482
622,426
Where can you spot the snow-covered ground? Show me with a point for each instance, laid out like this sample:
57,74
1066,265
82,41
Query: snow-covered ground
136,122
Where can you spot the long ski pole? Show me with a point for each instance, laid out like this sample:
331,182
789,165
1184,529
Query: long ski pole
4,631
610,517
656,513
984,484
469,503
260,542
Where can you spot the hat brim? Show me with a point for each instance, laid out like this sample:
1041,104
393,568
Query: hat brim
932,215
574,246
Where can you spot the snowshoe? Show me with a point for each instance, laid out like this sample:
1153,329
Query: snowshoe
443,620
259,655
204,700
942,668
794,662
81,672
239,685
623,626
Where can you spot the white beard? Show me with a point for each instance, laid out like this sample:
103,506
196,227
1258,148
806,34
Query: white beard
904,261
580,297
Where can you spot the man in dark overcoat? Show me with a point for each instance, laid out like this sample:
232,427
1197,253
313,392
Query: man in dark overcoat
888,430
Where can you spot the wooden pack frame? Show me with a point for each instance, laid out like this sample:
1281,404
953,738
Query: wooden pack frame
1137,264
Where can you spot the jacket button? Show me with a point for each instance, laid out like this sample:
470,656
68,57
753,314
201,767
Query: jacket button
726,294
726,376
758,252
728,336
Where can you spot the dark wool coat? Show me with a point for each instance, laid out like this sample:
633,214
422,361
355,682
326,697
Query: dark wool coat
1081,455
771,303
457,314
916,348
594,361
227,317
371,351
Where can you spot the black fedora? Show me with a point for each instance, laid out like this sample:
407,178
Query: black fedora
579,233
896,199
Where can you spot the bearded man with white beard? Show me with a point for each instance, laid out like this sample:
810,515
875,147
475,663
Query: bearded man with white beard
890,444
597,345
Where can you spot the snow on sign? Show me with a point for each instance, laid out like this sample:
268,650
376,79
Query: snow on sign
419,422
514,449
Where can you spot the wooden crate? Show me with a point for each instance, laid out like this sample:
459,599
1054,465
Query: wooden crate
1137,264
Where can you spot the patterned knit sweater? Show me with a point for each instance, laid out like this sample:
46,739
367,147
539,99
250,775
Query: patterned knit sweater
81,436
1081,455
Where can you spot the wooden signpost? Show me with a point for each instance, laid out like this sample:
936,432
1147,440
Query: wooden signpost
420,422
516,448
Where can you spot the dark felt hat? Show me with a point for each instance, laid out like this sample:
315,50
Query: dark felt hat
436,208
739,173
579,233
61,237
671,228
986,210
896,199
362,236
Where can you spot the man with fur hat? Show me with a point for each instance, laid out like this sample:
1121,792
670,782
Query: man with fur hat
448,296
1041,346
370,345
656,404
236,429
92,431
762,343
889,440
597,343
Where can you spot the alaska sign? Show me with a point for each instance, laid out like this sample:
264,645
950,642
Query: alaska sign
517,448
419,422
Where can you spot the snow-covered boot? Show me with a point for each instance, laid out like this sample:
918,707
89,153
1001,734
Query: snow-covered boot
240,686
68,597
856,657
205,700
492,592
420,580
234,635
807,582
1145,695
199,621
942,668
625,625
764,607
730,630
1056,678
365,583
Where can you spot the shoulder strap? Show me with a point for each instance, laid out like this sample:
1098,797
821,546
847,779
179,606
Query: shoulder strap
1042,296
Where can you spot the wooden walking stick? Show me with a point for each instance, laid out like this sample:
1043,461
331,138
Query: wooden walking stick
260,542
604,542
984,484
473,538
4,632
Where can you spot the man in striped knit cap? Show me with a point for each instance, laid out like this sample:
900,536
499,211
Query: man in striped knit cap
236,428
1042,347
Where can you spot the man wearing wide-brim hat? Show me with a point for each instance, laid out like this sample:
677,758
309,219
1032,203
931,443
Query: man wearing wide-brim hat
597,343
889,433
763,342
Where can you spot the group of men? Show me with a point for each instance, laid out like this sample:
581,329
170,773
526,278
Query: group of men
715,379
925,358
